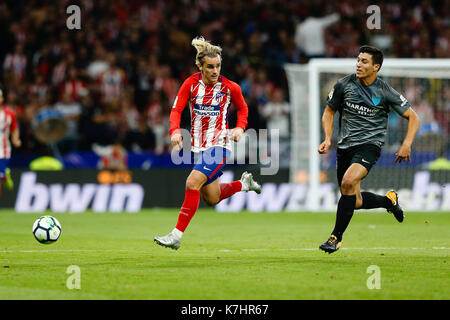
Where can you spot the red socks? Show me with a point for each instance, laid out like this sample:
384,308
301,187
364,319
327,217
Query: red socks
228,189
192,200
188,209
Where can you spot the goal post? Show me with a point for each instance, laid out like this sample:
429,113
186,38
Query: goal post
426,85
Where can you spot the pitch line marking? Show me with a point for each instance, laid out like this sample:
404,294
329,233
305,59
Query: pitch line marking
63,251
313,249
221,250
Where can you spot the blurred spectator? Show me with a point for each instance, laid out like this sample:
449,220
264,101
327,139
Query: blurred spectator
112,157
71,111
442,49
138,137
262,87
165,82
15,63
428,123
73,86
309,34
157,121
112,80
277,112
143,83
39,89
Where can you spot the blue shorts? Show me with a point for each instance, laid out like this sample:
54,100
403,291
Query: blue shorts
4,163
211,162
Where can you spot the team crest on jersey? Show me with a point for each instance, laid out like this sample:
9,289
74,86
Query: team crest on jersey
376,100
219,97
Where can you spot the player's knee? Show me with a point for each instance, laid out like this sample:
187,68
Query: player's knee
347,185
192,184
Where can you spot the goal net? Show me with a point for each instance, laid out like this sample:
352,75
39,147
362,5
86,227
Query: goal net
424,183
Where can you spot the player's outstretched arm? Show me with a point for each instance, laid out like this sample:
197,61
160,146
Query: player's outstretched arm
327,126
404,152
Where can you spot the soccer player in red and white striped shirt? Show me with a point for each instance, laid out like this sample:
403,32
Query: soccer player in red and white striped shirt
209,96
8,127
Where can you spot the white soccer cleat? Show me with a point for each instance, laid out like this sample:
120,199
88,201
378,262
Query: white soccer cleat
248,184
169,241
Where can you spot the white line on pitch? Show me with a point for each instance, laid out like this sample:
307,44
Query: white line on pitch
313,249
222,250
63,251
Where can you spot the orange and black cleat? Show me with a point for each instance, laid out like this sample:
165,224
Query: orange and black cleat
396,210
331,245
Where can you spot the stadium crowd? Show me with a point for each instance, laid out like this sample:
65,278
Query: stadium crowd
115,79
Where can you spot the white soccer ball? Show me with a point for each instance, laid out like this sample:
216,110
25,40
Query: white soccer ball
46,229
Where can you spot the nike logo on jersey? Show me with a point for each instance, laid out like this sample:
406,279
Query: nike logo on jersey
204,167
365,161
175,102
404,101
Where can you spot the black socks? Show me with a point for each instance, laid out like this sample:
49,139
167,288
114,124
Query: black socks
345,208
371,200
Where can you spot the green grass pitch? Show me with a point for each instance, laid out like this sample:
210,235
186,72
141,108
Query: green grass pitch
227,256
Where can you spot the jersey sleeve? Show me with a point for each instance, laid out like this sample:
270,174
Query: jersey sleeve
335,97
242,109
396,101
178,106
13,125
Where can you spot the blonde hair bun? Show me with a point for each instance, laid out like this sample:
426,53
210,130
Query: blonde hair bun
205,48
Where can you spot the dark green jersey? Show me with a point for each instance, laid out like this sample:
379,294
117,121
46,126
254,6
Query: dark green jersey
363,110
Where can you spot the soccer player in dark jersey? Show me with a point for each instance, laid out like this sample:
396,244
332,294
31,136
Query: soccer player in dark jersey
363,101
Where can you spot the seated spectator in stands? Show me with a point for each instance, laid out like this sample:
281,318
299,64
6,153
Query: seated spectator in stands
428,123
276,112
112,80
157,122
15,63
309,34
39,88
112,157
71,111
73,86
138,137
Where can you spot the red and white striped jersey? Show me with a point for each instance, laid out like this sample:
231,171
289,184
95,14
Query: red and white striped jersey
209,106
74,88
8,124
16,63
112,83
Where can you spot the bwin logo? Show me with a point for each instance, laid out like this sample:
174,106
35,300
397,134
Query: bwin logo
76,198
